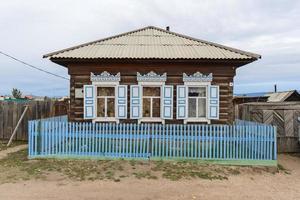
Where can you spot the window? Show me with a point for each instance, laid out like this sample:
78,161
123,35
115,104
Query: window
197,102
105,102
151,102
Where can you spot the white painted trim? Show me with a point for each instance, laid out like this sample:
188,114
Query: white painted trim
198,84
151,119
106,119
106,84
105,77
196,120
197,77
151,77
150,84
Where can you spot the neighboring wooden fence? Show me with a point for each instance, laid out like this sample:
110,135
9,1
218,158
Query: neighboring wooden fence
10,112
285,116
242,143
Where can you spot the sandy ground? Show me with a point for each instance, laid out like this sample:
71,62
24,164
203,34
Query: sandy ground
4,153
244,186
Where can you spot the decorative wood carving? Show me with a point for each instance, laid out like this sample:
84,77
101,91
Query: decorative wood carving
152,77
105,77
197,77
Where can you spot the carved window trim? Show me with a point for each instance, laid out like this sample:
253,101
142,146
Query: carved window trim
197,77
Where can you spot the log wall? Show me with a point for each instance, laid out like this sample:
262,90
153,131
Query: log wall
222,76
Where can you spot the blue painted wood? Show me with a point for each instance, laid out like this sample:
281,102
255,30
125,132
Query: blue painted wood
241,141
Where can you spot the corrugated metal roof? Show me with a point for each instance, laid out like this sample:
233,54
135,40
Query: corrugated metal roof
279,96
151,43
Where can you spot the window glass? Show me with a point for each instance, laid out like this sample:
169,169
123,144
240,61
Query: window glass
146,107
197,102
197,92
151,101
110,107
156,107
192,107
151,91
105,102
106,91
201,107
101,107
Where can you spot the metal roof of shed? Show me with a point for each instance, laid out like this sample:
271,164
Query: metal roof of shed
280,96
151,43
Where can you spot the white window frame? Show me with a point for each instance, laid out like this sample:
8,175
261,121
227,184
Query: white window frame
151,84
106,84
198,119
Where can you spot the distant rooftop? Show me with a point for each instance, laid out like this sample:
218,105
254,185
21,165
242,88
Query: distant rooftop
283,96
292,95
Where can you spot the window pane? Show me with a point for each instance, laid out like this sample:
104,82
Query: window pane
100,107
110,107
156,107
151,91
197,92
201,107
192,107
146,107
106,91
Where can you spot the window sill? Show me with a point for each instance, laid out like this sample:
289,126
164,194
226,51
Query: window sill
196,120
150,119
106,119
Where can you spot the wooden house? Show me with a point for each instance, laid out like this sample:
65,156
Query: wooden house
151,75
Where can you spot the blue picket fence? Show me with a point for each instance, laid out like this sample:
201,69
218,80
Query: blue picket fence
242,141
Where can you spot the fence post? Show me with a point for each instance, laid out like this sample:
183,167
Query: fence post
38,136
275,142
29,138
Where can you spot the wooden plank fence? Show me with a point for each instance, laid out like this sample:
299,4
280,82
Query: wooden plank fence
241,143
10,113
284,115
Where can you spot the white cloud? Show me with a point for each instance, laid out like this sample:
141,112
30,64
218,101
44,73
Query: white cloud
32,28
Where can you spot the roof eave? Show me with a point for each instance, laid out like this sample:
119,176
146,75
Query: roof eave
66,61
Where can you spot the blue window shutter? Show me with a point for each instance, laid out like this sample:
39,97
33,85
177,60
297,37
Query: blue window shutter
181,104
89,102
135,101
167,102
213,102
121,101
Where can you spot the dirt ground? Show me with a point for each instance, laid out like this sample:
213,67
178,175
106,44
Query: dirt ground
248,184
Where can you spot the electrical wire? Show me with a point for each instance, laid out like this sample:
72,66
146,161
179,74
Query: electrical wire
32,66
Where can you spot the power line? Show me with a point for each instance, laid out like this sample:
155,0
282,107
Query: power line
34,67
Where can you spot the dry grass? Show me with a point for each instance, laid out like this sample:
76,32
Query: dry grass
3,144
17,167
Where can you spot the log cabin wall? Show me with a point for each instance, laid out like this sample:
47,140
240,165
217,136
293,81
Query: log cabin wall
222,75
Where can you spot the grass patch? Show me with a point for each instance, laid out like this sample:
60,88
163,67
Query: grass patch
16,167
3,144
147,175
283,169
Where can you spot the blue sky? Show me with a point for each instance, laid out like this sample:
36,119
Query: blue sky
32,28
